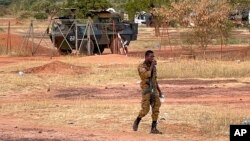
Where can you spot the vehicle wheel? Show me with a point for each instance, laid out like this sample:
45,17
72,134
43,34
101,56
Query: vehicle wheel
101,47
116,46
64,52
84,50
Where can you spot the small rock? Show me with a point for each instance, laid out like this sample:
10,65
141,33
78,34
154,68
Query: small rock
15,127
71,123
124,85
238,61
106,87
40,131
240,99
48,90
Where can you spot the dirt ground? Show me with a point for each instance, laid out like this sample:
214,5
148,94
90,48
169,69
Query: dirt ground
179,92
23,125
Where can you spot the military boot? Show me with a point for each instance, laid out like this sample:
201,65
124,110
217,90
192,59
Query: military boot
136,124
154,130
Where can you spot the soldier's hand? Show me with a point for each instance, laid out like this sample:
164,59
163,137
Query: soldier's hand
154,62
162,97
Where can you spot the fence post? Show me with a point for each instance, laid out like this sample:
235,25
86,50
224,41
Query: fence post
32,37
8,39
88,37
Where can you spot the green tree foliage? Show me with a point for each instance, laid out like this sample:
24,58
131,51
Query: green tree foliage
34,6
118,5
84,6
5,2
133,6
22,5
49,7
241,3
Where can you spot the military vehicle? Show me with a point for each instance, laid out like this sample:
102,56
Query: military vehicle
102,30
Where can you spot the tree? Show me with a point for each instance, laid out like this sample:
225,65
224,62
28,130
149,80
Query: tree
133,6
5,2
241,3
50,7
209,18
85,5
151,6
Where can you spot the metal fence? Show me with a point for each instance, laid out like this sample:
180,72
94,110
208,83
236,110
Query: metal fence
33,38
179,42
25,38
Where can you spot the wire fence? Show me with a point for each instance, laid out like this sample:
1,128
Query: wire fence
179,42
22,38
37,37
33,38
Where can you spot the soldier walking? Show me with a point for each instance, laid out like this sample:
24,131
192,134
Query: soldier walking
151,92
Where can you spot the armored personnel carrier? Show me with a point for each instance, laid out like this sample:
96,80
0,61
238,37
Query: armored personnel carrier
102,30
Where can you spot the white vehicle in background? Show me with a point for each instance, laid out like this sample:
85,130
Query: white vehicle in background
249,17
141,18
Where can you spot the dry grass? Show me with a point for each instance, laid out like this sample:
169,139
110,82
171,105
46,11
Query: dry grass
113,74
211,120
181,120
204,69
207,121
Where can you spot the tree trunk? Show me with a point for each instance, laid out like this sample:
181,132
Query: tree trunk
157,30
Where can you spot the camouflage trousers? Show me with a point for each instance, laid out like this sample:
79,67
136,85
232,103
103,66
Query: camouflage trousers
152,100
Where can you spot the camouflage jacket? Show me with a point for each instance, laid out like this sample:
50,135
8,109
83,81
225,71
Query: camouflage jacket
146,78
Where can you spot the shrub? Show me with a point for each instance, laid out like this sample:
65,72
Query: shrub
24,15
40,16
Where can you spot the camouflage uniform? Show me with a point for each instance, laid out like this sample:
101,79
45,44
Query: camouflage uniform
150,94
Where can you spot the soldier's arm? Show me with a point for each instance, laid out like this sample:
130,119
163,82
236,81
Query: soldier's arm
144,72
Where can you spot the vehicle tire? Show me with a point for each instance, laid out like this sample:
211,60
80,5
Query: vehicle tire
64,52
83,48
101,47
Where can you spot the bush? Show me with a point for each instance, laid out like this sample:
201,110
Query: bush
24,15
40,16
